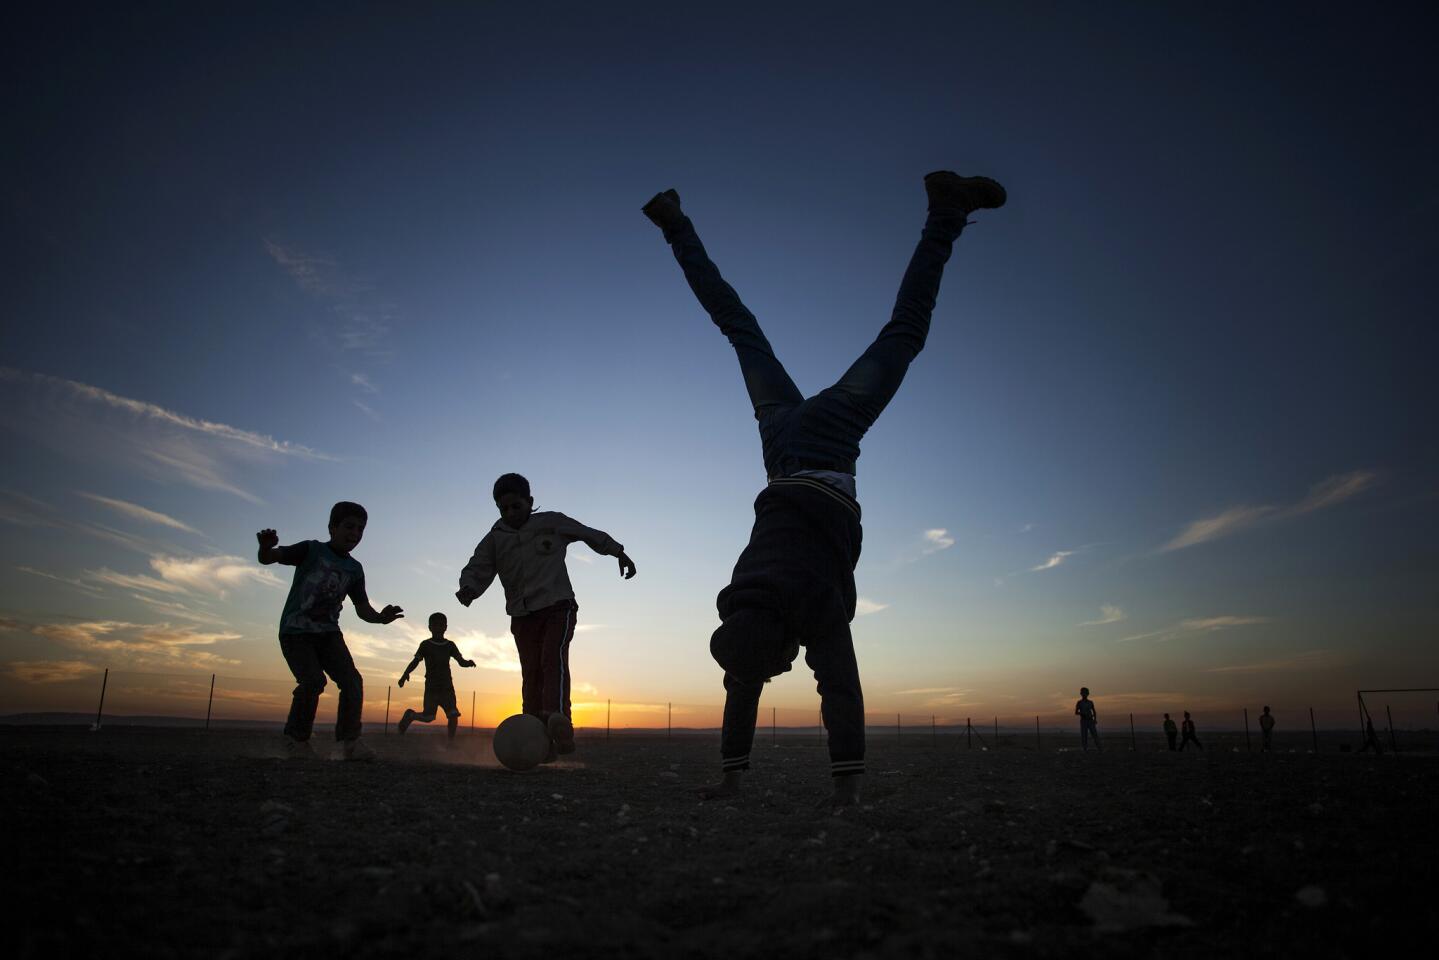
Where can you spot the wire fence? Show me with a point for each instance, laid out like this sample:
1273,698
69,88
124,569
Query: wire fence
217,701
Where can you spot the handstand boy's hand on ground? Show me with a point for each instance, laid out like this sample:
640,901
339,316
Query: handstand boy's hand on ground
391,613
627,566
846,793
466,596
728,787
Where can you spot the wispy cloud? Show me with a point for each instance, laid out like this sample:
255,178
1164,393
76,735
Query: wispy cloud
1108,613
49,671
23,511
81,584
132,581
137,512
214,575
149,411
937,540
864,606
196,468
1055,559
139,644
1308,660
363,382
1327,493
1198,625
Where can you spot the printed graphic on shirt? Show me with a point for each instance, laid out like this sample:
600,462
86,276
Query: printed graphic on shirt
322,581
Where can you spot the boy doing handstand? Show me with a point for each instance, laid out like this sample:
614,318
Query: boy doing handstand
437,652
793,585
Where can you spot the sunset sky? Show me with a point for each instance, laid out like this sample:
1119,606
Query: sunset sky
1168,438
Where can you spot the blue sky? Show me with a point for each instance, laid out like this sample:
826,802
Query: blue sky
1167,438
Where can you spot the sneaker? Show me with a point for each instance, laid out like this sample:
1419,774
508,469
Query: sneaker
562,732
949,191
357,749
292,749
406,719
664,210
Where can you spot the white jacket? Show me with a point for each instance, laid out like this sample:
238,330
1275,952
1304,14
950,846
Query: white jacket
530,561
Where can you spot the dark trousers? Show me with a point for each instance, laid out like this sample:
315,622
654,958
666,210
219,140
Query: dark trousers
543,641
1087,729
1190,738
824,430
1173,738
438,698
310,657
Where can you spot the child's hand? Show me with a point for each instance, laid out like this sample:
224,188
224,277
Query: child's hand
391,613
467,663
627,566
268,538
466,595
403,679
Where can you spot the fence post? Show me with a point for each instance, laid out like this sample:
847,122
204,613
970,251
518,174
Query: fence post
387,711
472,711
898,727
1313,730
968,735
607,720
1247,746
1392,745
211,702
1037,744
773,725
933,730
996,733
1133,747
669,721
100,710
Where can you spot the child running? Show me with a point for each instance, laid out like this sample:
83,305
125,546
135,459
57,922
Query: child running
310,637
437,652
793,585
527,551
1186,731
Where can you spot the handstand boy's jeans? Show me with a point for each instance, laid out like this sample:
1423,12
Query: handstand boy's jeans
310,656
823,431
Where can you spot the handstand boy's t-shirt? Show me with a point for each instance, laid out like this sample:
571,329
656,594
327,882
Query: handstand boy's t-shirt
323,579
437,655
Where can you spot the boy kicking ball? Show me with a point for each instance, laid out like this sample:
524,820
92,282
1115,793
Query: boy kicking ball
437,652
793,585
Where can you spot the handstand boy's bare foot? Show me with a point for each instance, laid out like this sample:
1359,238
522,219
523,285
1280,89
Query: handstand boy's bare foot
728,787
846,793
664,210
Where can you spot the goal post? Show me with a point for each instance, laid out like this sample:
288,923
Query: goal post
1418,706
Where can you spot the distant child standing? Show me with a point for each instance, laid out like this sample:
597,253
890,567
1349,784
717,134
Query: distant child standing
310,637
527,551
793,584
1187,730
1266,730
1088,720
1171,732
436,652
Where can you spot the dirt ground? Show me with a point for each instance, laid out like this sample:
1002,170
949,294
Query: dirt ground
156,842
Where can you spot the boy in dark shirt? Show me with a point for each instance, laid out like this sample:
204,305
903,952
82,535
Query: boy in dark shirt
437,652
310,638
1187,736
1171,732
1088,720
793,584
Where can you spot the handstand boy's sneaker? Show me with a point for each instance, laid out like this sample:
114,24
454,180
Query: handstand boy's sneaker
357,749
562,732
948,191
406,719
292,749
664,210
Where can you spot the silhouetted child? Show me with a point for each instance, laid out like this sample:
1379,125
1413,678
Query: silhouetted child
437,652
1187,729
1266,729
1371,739
793,585
527,551
310,637
1171,731
1088,720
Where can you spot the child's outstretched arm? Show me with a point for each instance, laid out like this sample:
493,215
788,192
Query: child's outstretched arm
367,613
598,541
455,655
479,573
271,552
413,664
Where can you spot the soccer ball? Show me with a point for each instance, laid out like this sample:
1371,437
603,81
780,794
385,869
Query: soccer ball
521,742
